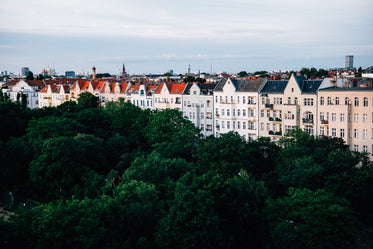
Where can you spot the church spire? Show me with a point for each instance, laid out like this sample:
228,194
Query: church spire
123,71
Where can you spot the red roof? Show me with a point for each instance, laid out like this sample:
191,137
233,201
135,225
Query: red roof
176,88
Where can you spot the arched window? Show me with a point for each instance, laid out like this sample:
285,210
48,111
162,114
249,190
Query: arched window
337,100
347,101
321,100
356,101
365,101
289,101
329,101
295,101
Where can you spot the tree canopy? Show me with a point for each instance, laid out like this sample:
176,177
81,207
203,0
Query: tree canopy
88,176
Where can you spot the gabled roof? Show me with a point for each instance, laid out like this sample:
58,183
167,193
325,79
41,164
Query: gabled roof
177,88
134,89
151,88
310,86
220,85
273,86
159,89
123,87
249,85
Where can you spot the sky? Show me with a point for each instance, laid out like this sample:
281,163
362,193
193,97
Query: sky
209,35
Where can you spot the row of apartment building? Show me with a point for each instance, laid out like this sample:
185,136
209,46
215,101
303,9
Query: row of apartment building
338,107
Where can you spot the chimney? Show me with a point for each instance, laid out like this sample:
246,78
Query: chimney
93,73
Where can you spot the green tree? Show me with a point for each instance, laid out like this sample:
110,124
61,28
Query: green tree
169,133
306,219
30,76
243,74
88,100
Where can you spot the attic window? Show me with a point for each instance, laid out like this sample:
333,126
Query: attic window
292,90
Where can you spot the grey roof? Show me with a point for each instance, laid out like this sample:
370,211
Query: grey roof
242,85
274,86
207,88
220,85
346,89
310,86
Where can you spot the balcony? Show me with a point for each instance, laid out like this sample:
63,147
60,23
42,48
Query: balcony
307,121
324,121
268,106
275,119
275,133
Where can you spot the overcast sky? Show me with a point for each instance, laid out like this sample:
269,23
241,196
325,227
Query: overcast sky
210,35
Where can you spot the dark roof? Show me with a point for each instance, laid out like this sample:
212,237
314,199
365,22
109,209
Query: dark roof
310,86
274,86
346,89
241,85
220,85
249,85
207,88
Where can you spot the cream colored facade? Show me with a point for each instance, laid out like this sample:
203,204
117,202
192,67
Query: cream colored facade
347,113
236,107
169,96
53,95
285,105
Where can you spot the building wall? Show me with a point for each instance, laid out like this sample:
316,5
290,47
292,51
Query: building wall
342,117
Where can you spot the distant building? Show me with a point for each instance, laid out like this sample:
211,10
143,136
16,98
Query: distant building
69,74
349,61
25,71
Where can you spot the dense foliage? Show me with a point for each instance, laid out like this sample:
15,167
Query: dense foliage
121,177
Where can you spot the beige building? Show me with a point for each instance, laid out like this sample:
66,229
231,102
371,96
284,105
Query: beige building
54,95
347,113
236,107
285,105
169,96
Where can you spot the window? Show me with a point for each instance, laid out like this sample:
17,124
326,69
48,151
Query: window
231,99
208,103
243,100
262,126
228,112
365,118
194,115
356,133
222,112
251,113
292,90
356,117
321,131
365,101
238,125
202,115
289,101
202,127
321,115
274,114
356,102
216,99
234,112
308,101
208,127
184,103
342,117
329,101
334,133
263,101
337,100
356,147
222,124
347,101
267,126
244,125
267,114
262,113
365,133
217,111
238,99
333,117
221,99
295,101
238,112
342,133
365,148
244,112
322,101
234,125
228,125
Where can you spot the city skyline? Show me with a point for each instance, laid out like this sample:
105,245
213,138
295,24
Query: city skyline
155,37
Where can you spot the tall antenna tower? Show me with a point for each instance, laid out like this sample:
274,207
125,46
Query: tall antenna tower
189,69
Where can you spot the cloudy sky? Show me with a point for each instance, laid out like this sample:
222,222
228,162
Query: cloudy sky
210,35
